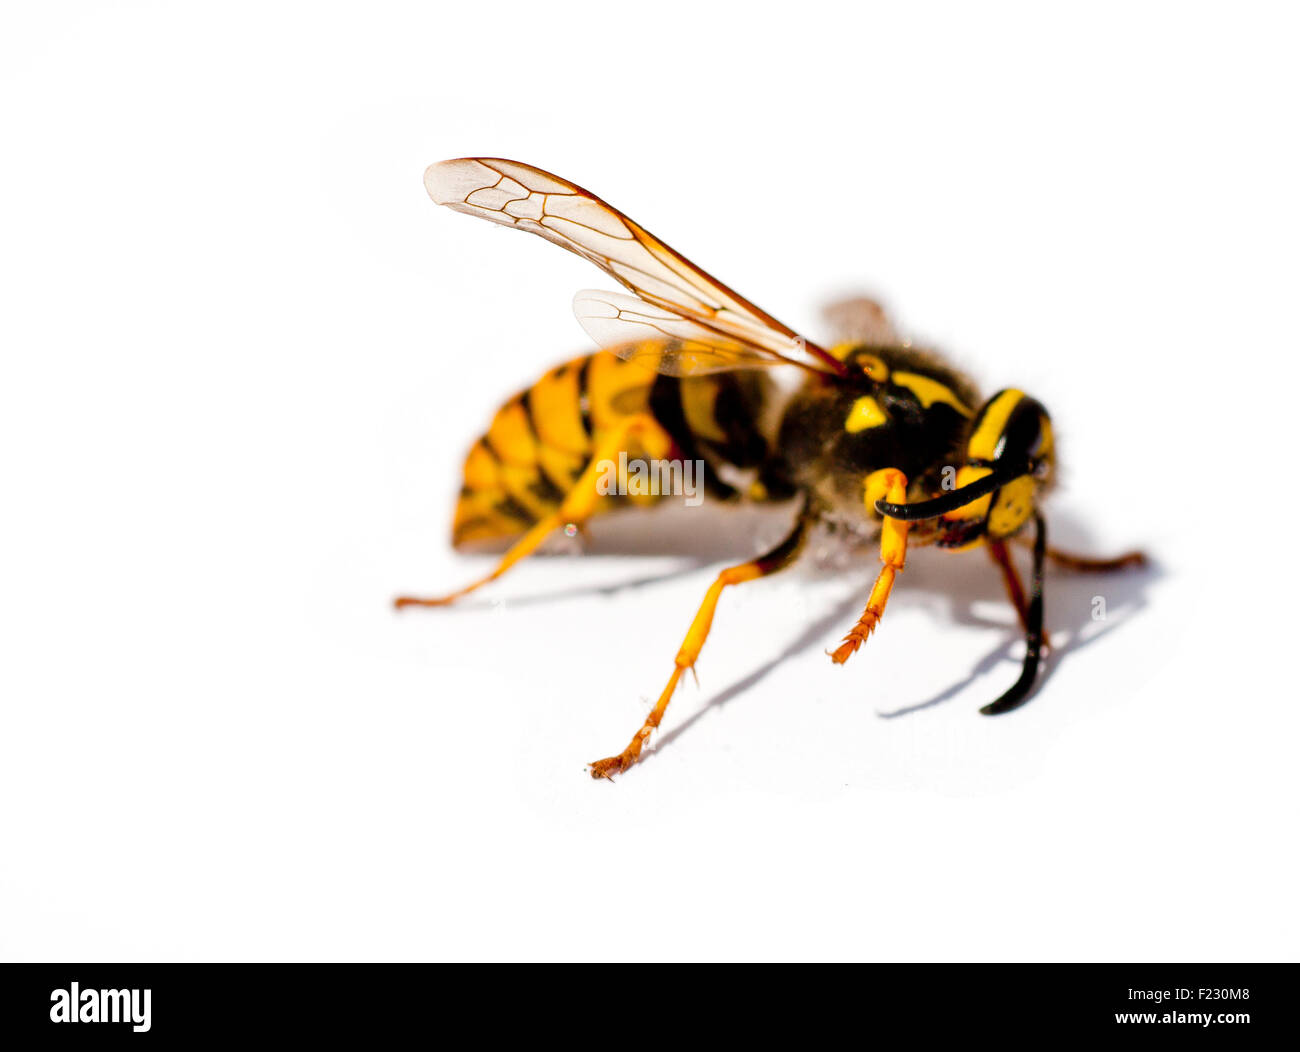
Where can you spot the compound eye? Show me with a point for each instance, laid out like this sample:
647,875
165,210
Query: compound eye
1041,451
1025,434
1035,449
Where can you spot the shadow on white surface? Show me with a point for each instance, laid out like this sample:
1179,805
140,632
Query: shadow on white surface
1069,599
968,590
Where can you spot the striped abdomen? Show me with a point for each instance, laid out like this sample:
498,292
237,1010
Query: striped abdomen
542,439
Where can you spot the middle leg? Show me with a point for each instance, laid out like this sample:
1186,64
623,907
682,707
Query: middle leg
777,559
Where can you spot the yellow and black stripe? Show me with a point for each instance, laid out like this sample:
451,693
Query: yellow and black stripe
543,438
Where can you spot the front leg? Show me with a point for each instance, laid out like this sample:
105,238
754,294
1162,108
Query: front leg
997,549
1034,637
888,484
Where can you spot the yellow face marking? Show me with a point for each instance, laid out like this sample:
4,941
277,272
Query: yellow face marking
929,391
984,443
866,412
978,508
1014,506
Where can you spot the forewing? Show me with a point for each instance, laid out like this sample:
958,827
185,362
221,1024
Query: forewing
524,197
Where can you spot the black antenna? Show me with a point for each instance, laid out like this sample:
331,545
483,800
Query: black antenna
930,509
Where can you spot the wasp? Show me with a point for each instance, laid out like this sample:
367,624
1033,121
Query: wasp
877,437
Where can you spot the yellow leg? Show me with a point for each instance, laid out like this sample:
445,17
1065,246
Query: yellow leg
889,484
778,558
575,508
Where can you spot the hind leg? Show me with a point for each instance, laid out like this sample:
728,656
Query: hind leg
576,507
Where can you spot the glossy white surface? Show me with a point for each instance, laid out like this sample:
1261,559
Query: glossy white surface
244,354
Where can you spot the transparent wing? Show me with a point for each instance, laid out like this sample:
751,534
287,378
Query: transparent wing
661,339
524,197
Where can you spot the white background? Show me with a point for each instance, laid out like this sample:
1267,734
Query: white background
244,354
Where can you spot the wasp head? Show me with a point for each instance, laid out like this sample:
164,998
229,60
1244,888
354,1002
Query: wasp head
1009,458
1010,442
